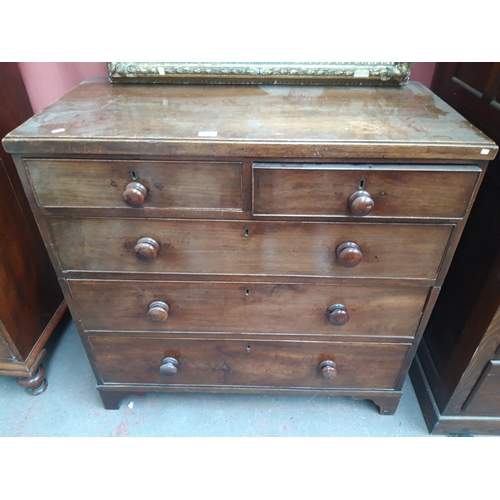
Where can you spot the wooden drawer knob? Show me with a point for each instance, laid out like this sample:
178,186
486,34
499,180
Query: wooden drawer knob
135,194
158,311
337,315
328,369
349,254
146,249
361,203
169,367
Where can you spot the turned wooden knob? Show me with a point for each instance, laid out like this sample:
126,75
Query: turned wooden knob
158,311
337,315
328,369
349,254
135,194
146,249
169,367
361,203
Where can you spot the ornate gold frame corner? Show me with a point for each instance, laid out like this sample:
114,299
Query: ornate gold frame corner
315,73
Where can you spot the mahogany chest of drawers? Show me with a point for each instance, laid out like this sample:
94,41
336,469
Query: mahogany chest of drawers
250,238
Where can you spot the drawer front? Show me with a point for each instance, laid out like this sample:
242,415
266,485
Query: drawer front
485,398
248,363
396,191
250,248
248,307
101,184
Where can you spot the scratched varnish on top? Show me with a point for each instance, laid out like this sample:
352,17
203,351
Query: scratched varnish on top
259,120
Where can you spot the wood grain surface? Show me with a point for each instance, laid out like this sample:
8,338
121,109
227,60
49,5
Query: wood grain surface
257,120
397,191
484,399
248,362
248,307
99,183
29,292
250,248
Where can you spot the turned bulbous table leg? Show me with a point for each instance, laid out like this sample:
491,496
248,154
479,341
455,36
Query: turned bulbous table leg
36,384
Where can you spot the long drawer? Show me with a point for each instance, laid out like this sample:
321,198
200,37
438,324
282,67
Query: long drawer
169,184
251,363
248,307
249,247
394,190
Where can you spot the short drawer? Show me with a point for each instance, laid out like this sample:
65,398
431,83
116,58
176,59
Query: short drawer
168,185
391,190
149,306
249,248
485,398
249,363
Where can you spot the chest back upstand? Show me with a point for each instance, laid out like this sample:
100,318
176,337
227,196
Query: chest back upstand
265,239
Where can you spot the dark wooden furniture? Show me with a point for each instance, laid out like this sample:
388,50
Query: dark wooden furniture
456,374
31,301
250,238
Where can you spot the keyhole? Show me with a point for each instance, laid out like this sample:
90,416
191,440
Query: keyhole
248,348
247,293
361,184
247,233
133,175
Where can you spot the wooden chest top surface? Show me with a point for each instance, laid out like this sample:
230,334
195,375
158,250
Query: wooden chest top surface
98,117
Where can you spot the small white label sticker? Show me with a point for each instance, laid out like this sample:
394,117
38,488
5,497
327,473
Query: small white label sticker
485,151
361,73
207,133
131,404
57,130
161,70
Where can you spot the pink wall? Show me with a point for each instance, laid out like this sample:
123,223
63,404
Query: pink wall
47,81
422,72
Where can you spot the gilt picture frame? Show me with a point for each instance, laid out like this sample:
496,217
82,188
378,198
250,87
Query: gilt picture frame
299,73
